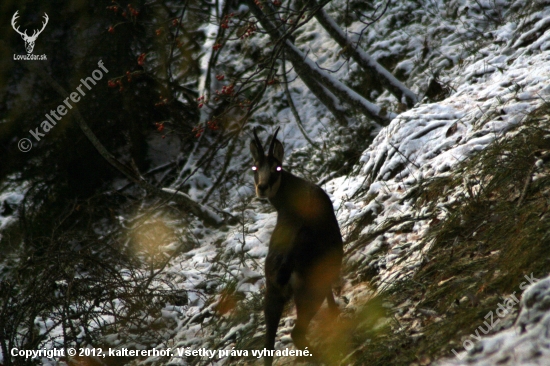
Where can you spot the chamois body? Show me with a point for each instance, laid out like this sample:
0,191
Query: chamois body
305,250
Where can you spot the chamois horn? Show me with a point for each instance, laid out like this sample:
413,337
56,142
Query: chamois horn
270,152
258,143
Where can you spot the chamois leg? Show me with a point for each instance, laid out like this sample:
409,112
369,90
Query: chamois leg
273,308
307,305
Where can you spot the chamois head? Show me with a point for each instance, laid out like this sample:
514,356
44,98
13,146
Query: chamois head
267,168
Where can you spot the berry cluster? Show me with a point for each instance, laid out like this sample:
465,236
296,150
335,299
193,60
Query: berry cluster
117,82
132,11
114,8
245,104
225,22
198,130
227,90
159,126
249,31
213,125
141,59
201,101
113,83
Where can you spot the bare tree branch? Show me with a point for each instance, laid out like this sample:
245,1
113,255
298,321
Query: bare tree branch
386,79
293,108
202,212
312,76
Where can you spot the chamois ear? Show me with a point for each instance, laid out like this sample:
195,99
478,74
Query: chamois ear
278,150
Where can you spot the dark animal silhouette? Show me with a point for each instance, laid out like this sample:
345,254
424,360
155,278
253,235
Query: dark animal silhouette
305,250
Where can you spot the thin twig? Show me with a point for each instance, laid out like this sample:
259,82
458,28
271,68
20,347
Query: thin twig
202,212
293,107
526,185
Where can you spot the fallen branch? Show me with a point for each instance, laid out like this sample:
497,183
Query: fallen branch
386,79
314,77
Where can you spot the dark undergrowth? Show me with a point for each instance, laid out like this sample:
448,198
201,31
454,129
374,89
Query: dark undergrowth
496,230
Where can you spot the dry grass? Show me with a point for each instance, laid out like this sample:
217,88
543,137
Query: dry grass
497,231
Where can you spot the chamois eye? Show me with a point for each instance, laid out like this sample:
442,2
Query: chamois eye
279,168
254,167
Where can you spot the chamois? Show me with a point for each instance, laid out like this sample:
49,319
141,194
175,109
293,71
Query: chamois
305,250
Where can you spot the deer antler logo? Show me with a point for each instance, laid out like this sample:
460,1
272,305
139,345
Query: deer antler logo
29,40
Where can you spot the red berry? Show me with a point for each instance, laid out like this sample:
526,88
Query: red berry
141,59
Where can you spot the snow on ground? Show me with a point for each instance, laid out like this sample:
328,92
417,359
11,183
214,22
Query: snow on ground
491,92
10,198
428,141
526,343
494,90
